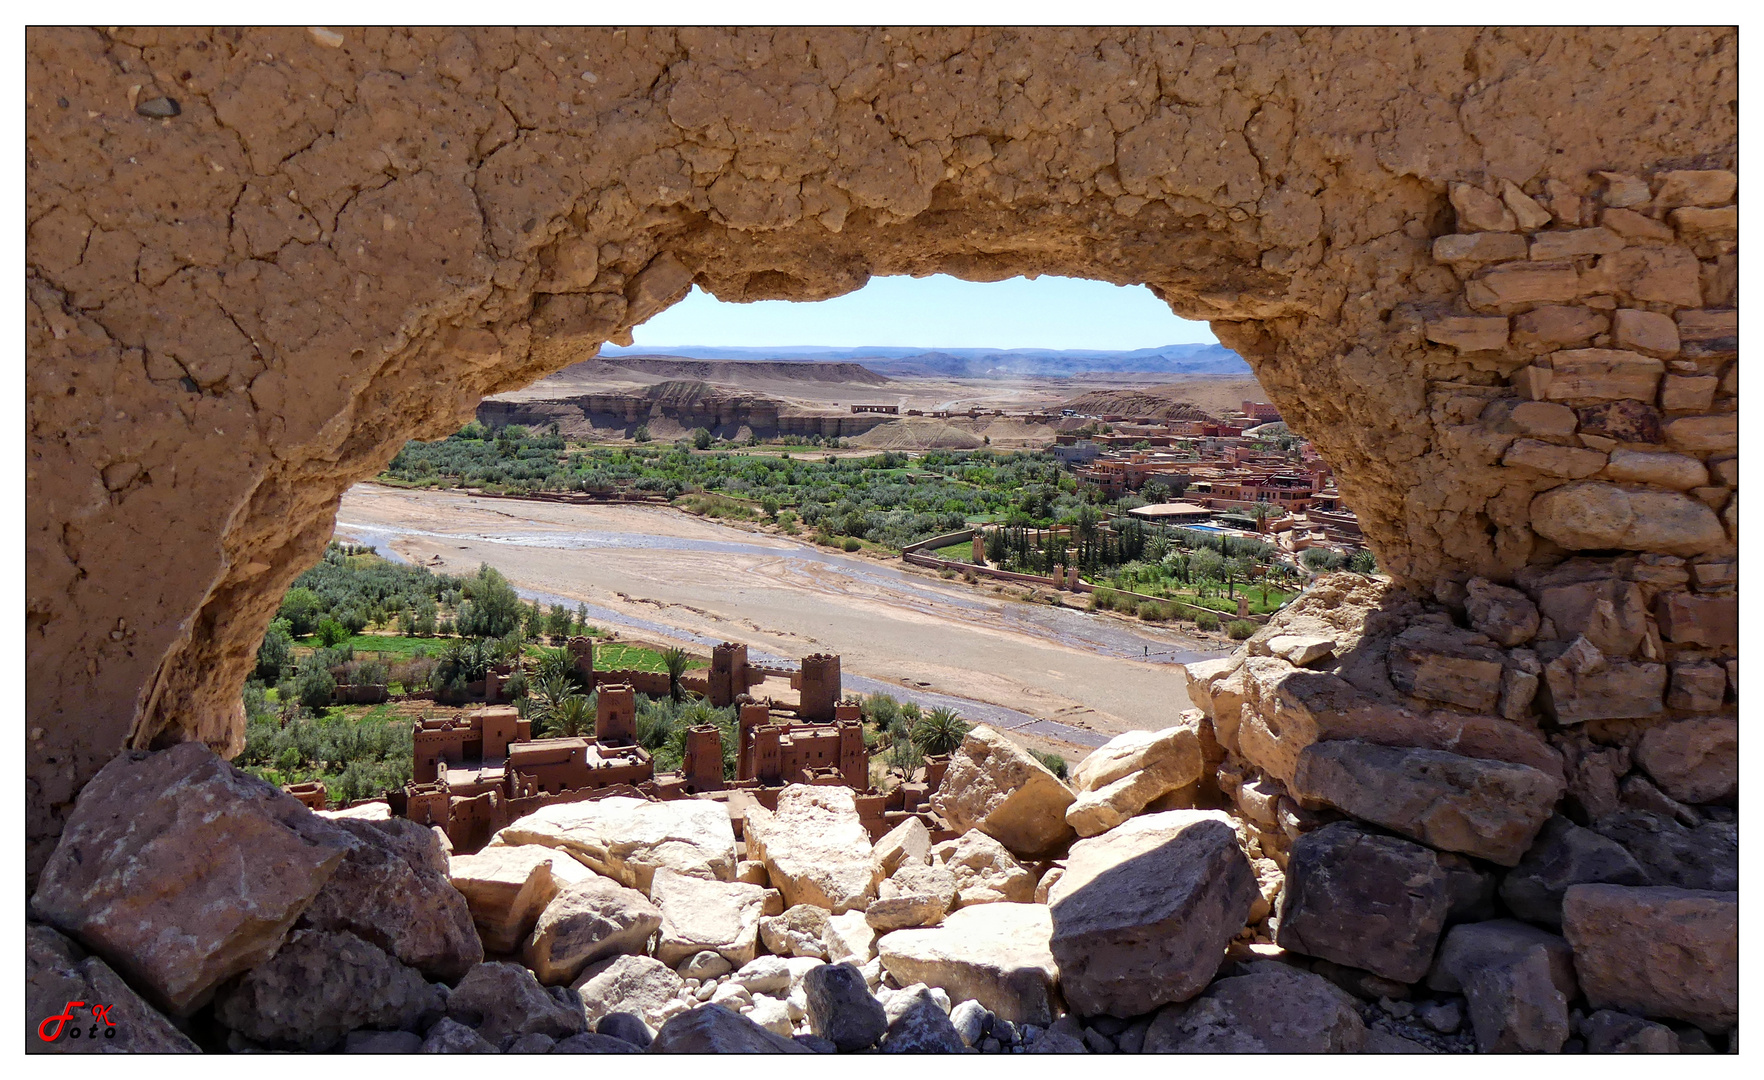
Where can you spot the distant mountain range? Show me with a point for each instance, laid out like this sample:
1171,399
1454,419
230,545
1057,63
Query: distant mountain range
901,361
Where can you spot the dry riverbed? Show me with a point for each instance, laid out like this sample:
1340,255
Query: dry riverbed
1092,676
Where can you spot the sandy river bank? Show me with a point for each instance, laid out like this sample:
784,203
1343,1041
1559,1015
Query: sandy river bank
1090,676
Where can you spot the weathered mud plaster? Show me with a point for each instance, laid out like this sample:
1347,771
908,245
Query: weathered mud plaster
235,312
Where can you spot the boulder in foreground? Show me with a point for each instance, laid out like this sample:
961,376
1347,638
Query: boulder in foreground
1269,1009
996,954
57,971
629,839
712,1029
996,786
815,848
1662,952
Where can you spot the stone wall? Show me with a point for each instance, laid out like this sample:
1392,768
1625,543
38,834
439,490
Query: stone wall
260,260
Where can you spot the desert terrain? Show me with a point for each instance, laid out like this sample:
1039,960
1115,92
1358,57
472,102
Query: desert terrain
1090,675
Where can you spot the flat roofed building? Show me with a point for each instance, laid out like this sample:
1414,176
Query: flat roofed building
1171,512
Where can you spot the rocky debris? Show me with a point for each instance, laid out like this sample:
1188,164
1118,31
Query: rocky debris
393,890
639,985
1268,1009
921,1026
1695,760
592,1043
1488,809
1444,1017
629,839
984,871
1143,913
997,787
771,1014
815,848
319,987
507,888
705,965
1706,857
800,931
1610,1032
587,921
1506,616
841,1008
180,871
1369,901
910,841
1564,854
917,895
1381,1041
850,937
700,914
627,1027
1660,952
449,1036
382,1042
712,1029
1118,779
996,954
58,971
503,1001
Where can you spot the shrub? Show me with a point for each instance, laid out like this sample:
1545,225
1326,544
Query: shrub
850,544
301,609
331,632
1363,562
314,686
641,434
1207,621
276,651
1054,762
1149,610
1239,629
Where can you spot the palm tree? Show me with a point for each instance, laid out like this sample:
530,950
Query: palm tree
546,696
940,731
675,661
572,715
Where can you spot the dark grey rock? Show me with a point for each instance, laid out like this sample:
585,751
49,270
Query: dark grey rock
1131,1040
623,1025
530,1043
502,999
1444,1017
972,1021
712,1029
922,1027
1612,1032
382,1042
1373,902
1098,1043
1271,1008
592,1043
449,1036
1564,854
159,108
319,987
1515,1006
841,1008
58,971
1706,857
817,1044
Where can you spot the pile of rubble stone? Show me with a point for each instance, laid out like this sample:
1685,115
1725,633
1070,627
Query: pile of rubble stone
1361,843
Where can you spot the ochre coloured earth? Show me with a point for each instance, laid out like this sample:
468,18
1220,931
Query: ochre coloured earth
239,306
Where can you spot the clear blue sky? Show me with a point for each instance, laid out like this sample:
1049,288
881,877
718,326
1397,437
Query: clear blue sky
1047,313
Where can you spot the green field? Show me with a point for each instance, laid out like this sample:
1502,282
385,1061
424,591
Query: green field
403,648
957,552
623,656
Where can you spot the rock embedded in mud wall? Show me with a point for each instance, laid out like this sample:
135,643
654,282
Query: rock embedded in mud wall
629,839
996,954
588,921
1583,684
699,915
1661,952
1270,1008
1120,778
1695,760
815,848
181,871
58,971
1143,913
1368,901
1670,853
321,986
393,890
1488,809
1564,854
996,786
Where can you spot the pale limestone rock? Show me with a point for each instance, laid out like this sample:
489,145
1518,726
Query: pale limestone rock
800,931
629,839
639,985
1121,777
508,887
585,922
722,916
996,786
917,895
985,872
1591,515
909,841
1143,913
996,954
850,937
815,848
373,810
1301,650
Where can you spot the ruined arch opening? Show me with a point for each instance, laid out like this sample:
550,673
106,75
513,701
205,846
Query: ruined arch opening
1430,265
